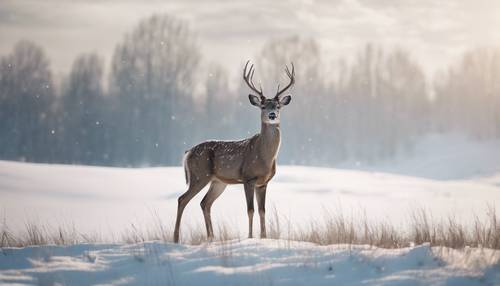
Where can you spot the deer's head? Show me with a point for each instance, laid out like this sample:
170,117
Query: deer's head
270,107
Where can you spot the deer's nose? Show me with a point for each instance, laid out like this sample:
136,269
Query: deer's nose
272,116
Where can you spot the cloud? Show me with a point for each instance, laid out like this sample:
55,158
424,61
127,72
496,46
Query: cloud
229,31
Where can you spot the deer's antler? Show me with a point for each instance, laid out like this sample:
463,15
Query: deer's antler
291,76
248,78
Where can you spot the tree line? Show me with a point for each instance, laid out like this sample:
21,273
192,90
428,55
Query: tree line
146,113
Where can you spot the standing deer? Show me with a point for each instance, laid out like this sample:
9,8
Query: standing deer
251,162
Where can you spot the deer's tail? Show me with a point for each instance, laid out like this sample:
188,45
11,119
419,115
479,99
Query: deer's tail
186,168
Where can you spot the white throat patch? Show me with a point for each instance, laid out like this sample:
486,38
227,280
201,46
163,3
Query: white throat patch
269,121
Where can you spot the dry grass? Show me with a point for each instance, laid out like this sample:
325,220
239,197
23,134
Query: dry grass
451,233
35,233
333,228
422,227
7,237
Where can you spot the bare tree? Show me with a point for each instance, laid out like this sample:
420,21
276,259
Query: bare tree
152,77
26,98
83,111
468,96
385,104
218,108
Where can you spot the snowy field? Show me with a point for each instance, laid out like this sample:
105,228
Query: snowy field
108,200
104,202
247,262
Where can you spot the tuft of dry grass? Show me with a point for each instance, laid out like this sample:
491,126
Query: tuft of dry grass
7,238
35,233
452,233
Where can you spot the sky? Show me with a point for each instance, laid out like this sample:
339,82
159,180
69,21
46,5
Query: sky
229,32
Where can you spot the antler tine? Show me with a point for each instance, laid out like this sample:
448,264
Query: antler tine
245,70
251,73
252,70
291,75
248,78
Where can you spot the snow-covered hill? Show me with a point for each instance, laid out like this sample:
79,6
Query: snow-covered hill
247,262
108,200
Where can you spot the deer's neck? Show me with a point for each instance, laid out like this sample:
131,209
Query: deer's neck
269,142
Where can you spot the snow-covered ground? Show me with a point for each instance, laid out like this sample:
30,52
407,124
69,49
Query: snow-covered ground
461,180
108,200
246,262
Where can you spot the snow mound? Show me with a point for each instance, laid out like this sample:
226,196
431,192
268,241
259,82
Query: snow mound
247,262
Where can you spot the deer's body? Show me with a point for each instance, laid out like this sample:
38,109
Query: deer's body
251,162
235,162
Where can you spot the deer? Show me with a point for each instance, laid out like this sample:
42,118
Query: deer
251,161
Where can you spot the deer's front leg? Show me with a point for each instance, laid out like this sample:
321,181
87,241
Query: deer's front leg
249,193
260,192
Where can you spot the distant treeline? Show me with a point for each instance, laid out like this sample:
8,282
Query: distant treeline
145,113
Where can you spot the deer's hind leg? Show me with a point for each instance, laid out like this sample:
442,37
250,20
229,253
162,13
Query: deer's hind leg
196,184
216,189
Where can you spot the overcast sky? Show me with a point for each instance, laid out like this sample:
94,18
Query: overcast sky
231,31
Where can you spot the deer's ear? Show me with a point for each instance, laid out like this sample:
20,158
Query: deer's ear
285,100
254,100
